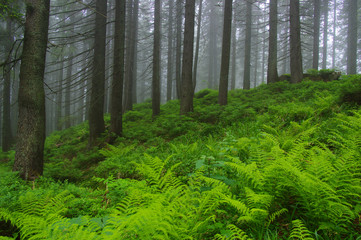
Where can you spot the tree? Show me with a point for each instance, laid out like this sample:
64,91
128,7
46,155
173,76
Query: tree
316,33
170,52
178,57
118,69
226,48
7,139
272,73
131,55
352,37
156,61
96,111
247,47
186,100
325,34
295,42
199,20
31,127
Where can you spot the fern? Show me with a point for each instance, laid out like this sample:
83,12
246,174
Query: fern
299,231
234,234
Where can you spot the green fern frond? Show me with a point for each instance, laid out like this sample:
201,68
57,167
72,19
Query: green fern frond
299,231
235,234
273,216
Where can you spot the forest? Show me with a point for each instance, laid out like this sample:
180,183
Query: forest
180,119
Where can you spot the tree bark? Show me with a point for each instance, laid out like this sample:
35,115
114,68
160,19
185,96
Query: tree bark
199,21
325,34
295,42
7,138
247,48
170,52
334,34
130,62
96,111
31,128
316,33
226,49
234,53
352,37
116,105
272,72
67,101
186,101
156,60
178,63
59,97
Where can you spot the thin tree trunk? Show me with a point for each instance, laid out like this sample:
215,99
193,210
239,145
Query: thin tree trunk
96,111
59,97
67,101
170,51
325,34
334,34
226,48
316,33
295,42
7,138
199,20
272,72
179,49
118,69
247,48
156,60
186,101
234,53
31,128
352,37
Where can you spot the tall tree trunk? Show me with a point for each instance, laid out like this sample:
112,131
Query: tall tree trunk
295,42
325,34
156,60
334,34
170,51
316,33
226,49
96,111
7,138
212,48
199,21
59,97
67,101
179,48
31,128
186,101
118,69
352,37
247,48
272,73
234,53
131,47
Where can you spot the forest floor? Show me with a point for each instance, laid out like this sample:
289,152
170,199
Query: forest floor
281,161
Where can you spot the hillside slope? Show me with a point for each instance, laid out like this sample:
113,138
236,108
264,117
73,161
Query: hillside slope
281,161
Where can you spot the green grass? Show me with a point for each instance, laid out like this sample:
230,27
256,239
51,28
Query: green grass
280,161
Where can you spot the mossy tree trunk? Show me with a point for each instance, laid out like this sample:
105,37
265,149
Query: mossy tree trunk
31,125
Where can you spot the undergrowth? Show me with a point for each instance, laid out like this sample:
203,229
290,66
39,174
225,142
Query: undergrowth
281,161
